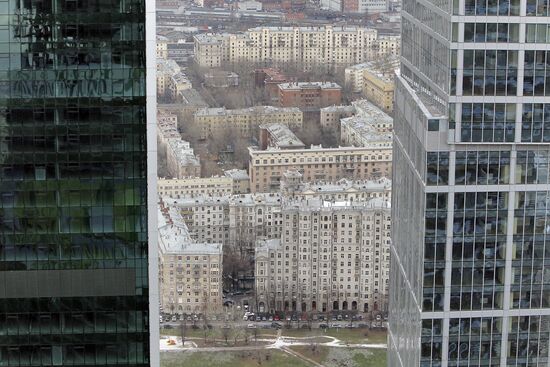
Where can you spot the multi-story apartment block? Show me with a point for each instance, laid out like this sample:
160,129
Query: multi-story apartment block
364,6
190,273
330,116
353,77
332,255
279,136
195,186
239,220
167,129
471,148
269,79
246,121
162,48
207,217
375,79
181,160
241,181
266,167
379,84
309,95
292,185
308,47
171,81
370,126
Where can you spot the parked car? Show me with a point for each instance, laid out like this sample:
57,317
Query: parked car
276,318
251,326
339,317
276,325
323,326
334,318
294,318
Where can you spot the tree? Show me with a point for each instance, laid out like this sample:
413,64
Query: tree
226,333
183,330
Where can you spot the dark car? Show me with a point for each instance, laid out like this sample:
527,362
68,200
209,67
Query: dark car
294,318
323,326
276,325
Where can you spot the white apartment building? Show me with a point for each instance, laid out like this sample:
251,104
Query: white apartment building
241,181
332,255
240,220
266,167
195,186
370,126
171,81
167,127
246,121
309,47
190,273
181,160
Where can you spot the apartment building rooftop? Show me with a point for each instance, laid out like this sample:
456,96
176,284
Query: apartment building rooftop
237,174
345,184
260,110
312,149
318,204
198,200
272,198
183,151
308,85
340,108
281,136
313,29
174,238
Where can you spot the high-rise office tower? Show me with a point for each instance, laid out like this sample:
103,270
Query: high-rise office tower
470,277
76,266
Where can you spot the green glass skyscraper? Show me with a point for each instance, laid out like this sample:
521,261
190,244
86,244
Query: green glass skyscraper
75,280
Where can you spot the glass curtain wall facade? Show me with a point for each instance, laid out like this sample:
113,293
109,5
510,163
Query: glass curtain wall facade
74,270
470,268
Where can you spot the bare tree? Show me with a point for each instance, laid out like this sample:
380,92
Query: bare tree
183,330
226,333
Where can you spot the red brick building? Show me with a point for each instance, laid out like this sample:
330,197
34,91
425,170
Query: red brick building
270,78
309,96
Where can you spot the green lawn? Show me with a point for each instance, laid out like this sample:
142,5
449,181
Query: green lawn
263,358
344,357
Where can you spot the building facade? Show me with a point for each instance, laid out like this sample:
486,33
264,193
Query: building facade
329,47
471,186
245,121
379,85
369,127
190,273
266,167
195,186
181,160
309,95
330,117
76,184
330,256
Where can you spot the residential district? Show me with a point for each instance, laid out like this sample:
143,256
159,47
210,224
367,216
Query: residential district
275,165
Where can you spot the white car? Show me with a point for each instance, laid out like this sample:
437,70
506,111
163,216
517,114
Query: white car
251,326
